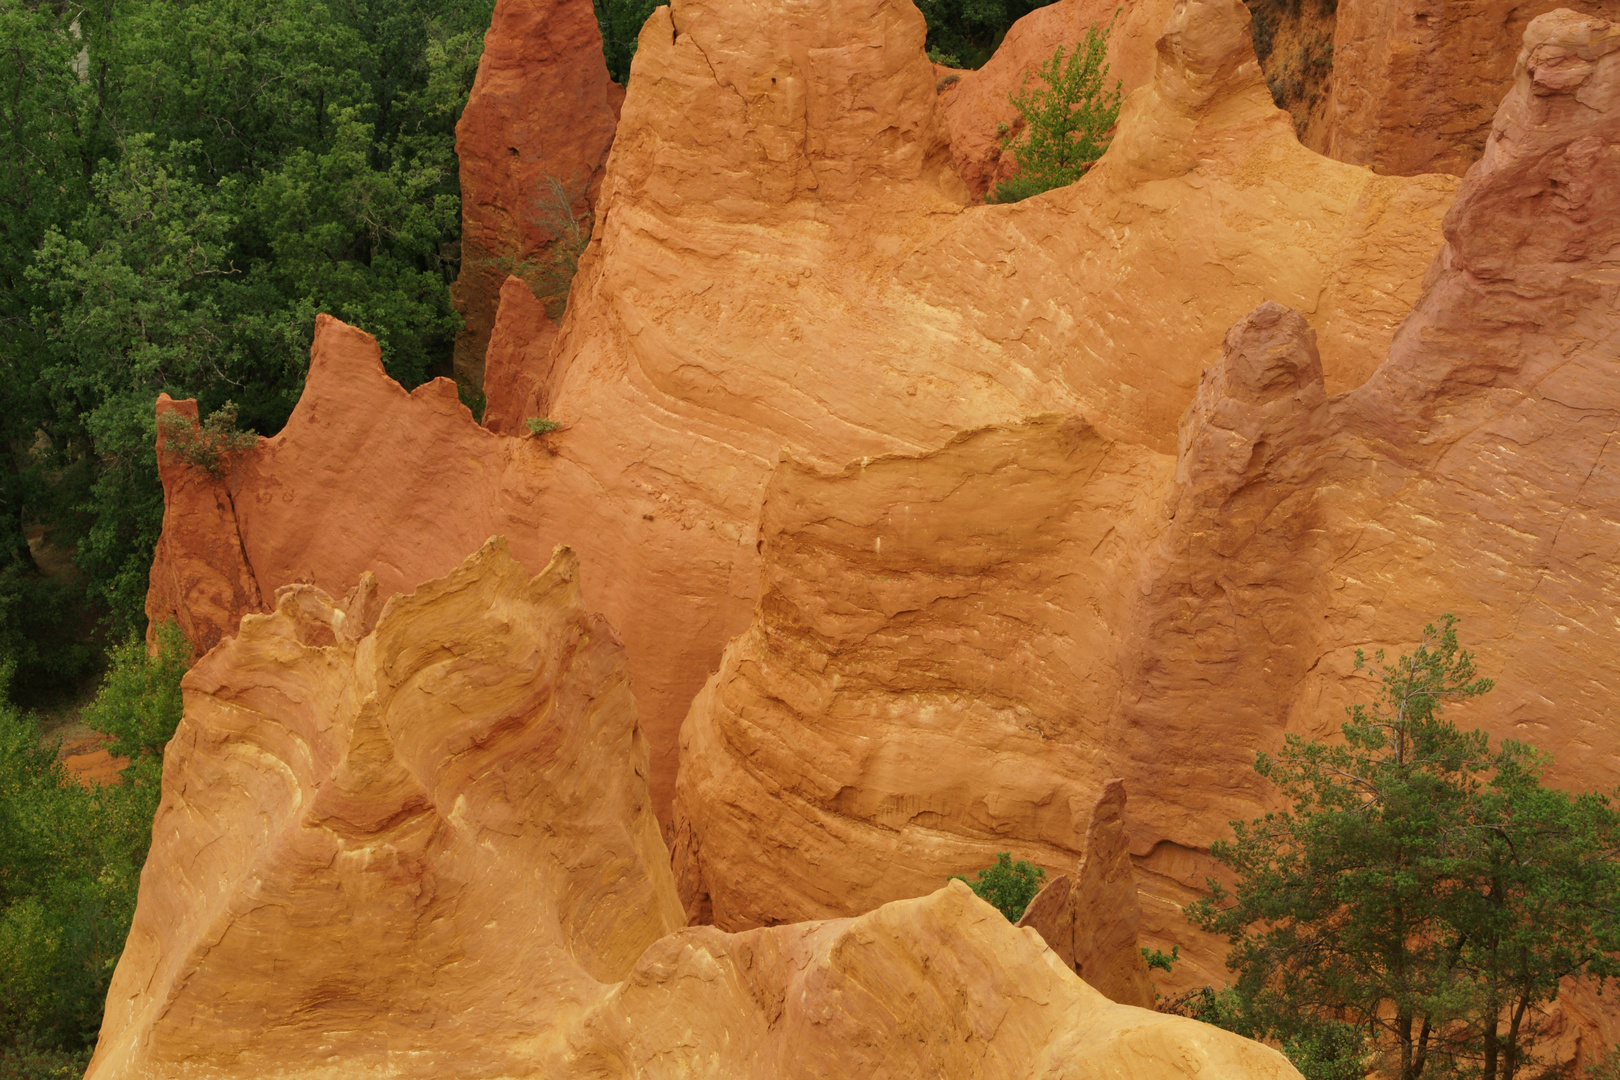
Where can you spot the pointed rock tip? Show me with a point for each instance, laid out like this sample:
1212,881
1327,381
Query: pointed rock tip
1268,354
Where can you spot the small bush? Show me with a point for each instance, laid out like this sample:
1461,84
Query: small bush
139,703
1164,961
1007,886
541,426
207,445
1067,124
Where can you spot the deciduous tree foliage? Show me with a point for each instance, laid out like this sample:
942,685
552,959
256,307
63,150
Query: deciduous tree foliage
1424,893
70,860
183,186
1068,122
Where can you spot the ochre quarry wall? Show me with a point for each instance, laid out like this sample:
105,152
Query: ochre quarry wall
412,838
793,264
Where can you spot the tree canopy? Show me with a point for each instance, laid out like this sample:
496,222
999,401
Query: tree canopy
1423,894
185,186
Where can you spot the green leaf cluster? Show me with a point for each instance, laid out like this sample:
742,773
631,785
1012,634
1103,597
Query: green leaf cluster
71,857
1007,886
1068,122
620,22
1424,893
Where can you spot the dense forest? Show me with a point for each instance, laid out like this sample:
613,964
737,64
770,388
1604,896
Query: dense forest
184,186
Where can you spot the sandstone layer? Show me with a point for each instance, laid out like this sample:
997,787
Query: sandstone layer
786,258
542,108
413,838
1213,599
1416,83
392,836
928,677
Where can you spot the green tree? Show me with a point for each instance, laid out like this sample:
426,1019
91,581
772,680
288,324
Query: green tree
620,22
71,857
1007,886
1424,892
1067,123
187,185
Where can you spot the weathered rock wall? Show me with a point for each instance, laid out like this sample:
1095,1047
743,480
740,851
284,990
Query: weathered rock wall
1415,83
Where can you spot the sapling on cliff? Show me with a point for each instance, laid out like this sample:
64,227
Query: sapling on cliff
1067,123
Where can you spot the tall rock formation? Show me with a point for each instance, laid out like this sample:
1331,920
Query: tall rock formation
413,838
1466,475
200,575
928,677
786,258
1090,920
1416,83
542,109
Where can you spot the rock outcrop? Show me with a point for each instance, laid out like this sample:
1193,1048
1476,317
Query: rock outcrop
949,623
1464,476
413,838
1090,920
928,677
200,575
393,836
542,109
518,361
1416,83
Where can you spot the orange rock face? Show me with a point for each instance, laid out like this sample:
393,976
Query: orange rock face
1416,82
542,106
929,519
1464,476
927,679
820,215
200,575
414,839
518,361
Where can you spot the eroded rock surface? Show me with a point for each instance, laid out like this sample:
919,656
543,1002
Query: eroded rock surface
413,838
927,680
1090,920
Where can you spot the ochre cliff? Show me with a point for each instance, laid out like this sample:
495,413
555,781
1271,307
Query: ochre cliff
929,518
413,838
542,109
834,226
